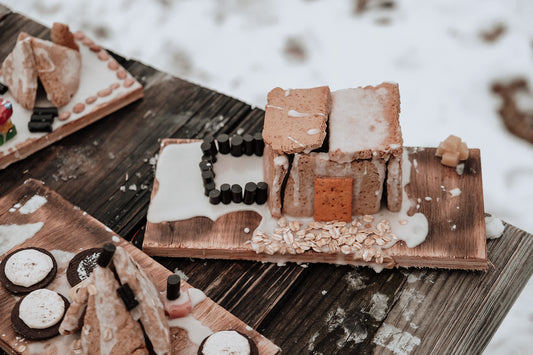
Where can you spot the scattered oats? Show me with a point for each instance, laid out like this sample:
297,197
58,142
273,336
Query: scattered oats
324,292
132,187
427,198
123,188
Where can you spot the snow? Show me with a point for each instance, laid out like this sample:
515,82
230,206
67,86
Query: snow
433,49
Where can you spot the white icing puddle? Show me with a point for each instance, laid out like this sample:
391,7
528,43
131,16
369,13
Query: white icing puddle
14,234
33,204
195,329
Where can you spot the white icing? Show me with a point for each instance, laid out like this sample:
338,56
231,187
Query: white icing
226,342
313,131
276,107
455,192
363,111
60,283
41,309
106,305
195,329
95,76
181,192
28,267
494,227
196,296
88,263
14,234
294,113
33,204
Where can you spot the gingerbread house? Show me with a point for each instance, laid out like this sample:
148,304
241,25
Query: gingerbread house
333,155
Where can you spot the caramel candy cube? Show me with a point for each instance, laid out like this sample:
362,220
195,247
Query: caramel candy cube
450,159
333,199
452,150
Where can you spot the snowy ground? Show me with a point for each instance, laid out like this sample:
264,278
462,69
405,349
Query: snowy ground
433,49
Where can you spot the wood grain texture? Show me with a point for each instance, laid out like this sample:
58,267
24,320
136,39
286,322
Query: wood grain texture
66,228
313,308
456,240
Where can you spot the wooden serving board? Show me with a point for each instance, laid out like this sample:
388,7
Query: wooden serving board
456,238
99,71
68,229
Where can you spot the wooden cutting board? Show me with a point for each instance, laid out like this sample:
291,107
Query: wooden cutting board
68,229
99,72
456,238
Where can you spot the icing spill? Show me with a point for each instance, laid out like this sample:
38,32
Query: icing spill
14,234
33,204
195,329
393,339
379,307
494,227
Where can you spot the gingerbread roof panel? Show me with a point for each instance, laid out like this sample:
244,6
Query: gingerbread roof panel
364,122
295,119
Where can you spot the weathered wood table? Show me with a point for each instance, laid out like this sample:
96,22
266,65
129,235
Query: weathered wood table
316,308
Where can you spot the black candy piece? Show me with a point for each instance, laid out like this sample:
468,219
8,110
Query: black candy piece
236,146
106,255
223,143
206,148
205,165
173,287
236,193
261,194
213,147
127,296
42,118
209,158
45,111
249,144
208,187
39,126
214,196
225,191
249,192
259,144
3,89
207,176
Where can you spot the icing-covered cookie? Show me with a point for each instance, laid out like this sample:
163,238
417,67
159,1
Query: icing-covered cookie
28,269
81,266
228,342
37,316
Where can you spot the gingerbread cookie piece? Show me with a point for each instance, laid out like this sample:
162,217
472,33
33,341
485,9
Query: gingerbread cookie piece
27,269
228,342
20,73
59,69
37,316
333,199
295,120
364,123
275,168
61,35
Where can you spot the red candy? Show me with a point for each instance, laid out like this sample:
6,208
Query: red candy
177,308
6,110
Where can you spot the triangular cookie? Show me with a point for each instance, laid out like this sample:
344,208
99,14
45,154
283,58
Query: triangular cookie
59,69
19,72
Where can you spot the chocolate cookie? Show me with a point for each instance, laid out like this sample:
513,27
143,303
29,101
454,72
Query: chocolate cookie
28,333
81,266
20,289
231,340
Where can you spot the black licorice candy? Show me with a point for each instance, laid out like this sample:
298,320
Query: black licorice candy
127,296
236,193
207,176
173,287
213,147
214,196
236,146
205,165
39,127
106,254
249,192
261,194
42,118
3,89
223,143
208,187
45,111
259,144
209,158
249,144
225,191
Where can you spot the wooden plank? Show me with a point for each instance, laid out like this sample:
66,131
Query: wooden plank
25,143
455,239
61,222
